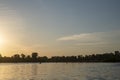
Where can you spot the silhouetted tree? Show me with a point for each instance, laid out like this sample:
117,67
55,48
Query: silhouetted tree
43,59
80,58
16,56
22,56
34,55
0,56
106,57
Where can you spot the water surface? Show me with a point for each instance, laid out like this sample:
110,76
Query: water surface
60,71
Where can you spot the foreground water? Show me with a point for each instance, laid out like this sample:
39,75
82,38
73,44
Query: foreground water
60,71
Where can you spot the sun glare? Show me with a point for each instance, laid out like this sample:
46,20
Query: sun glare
1,40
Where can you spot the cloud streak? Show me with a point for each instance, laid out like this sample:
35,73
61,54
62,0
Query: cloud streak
83,37
73,37
94,38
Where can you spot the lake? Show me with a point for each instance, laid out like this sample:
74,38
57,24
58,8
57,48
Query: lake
60,71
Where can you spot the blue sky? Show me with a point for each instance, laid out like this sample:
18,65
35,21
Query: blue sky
59,27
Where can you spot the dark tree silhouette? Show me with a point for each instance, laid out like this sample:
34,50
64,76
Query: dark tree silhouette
34,55
106,57
23,56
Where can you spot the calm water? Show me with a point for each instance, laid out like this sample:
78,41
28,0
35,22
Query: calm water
60,71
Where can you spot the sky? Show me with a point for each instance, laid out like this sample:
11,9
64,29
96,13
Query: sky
59,27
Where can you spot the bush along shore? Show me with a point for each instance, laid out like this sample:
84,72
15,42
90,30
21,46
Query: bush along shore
35,58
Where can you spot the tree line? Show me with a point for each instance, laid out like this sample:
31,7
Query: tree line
105,57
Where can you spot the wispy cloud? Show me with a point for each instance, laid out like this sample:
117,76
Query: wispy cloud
94,38
74,37
83,36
